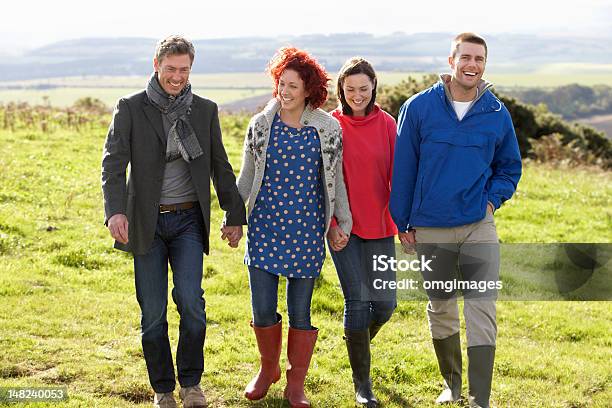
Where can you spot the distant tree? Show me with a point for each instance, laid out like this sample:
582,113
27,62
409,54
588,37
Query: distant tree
532,122
524,119
392,97
90,104
570,101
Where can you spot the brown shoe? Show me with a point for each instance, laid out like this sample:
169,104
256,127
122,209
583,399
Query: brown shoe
269,341
193,397
300,346
164,400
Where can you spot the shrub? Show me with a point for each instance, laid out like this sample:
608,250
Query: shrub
553,149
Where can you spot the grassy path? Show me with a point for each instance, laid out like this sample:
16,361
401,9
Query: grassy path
69,315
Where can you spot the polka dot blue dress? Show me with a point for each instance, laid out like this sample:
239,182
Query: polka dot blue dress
287,225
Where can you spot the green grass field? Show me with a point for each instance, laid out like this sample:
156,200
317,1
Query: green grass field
230,87
69,316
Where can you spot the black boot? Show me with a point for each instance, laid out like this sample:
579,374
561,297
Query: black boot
480,374
448,352
358,347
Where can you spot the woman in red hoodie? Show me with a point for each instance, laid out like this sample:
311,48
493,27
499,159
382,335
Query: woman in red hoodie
369,141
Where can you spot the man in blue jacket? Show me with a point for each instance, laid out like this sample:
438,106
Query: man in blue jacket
456,161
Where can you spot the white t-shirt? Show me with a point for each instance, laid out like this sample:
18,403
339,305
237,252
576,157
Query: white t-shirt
461,108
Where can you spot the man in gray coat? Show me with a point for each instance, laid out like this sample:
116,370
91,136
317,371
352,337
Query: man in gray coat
171,139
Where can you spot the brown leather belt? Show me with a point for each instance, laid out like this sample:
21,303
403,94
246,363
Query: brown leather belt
166,208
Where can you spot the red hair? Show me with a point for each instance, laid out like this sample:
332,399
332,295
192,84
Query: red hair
310,71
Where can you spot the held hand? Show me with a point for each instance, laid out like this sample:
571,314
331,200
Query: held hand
490,208
118,227
337,238
344,239
232,233
408,240
235,234
340,245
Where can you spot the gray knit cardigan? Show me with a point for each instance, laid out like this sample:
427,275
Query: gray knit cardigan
330,135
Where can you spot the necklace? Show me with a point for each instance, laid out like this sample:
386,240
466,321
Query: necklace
289,120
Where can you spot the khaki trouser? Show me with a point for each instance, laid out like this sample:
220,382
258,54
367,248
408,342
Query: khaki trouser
471,253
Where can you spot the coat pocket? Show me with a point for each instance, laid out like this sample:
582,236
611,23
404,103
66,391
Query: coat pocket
453,169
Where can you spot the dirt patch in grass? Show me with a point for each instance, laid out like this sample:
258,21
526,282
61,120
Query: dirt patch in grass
22,370
136,393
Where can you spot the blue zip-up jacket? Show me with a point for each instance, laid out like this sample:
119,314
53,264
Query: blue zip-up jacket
445,170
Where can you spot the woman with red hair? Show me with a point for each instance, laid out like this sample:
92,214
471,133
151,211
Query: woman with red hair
291,178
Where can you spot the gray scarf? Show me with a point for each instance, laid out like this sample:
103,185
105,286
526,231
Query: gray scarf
182,140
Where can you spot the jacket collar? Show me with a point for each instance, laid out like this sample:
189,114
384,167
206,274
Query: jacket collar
490,102
481,88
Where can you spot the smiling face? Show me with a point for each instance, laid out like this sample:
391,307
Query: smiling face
173,72
468,65
357,90
291,91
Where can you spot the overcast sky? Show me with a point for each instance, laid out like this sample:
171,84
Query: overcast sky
28,23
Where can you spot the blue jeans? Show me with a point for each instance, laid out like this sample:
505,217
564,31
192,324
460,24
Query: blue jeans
178,240
264,299
363,306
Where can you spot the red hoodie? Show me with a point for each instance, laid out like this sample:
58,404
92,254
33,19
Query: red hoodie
369,143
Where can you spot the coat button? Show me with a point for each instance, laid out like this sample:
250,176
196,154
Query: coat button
321,130
305,122
329,184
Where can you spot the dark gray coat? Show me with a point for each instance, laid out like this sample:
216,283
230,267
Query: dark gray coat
136,136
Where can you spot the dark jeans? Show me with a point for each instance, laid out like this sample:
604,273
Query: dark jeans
264,299
354,264
178,239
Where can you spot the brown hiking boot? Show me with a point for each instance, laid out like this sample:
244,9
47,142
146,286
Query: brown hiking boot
193,397
164,400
